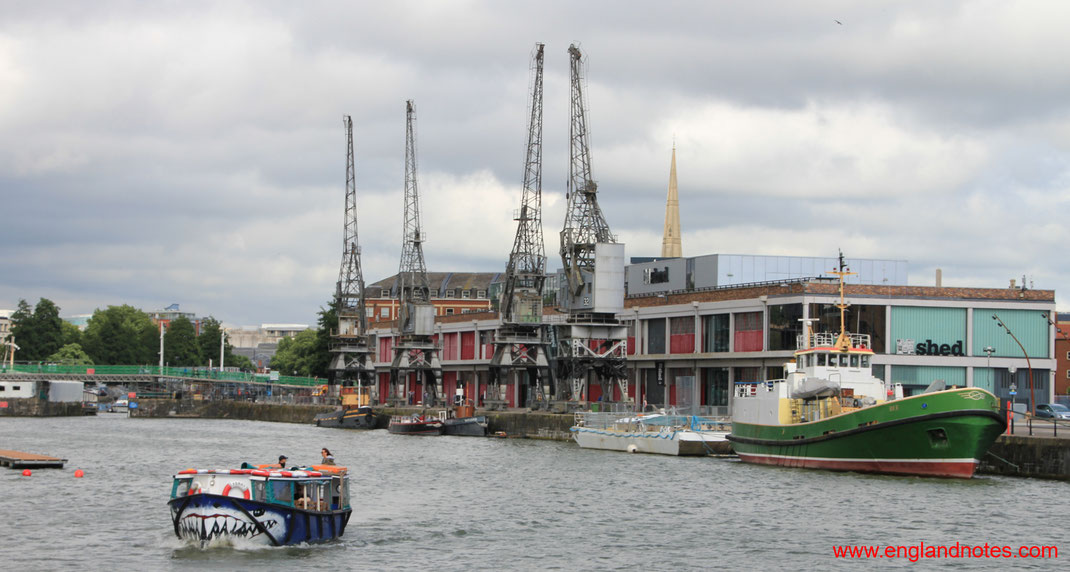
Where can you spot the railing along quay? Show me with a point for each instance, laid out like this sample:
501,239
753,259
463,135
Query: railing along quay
105,373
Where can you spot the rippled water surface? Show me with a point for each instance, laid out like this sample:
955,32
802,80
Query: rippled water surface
461,503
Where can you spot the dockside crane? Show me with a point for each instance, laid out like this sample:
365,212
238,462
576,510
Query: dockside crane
351,345
415,350
591,346
521,344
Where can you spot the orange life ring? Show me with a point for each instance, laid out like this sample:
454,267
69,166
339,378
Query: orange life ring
240,486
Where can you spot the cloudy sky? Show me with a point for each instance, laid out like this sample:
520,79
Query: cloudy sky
153,153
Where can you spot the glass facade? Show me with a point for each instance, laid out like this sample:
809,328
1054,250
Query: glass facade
748,333
655,336
784,326
1029,326
715,386
715,333
915,378
859,318
928,331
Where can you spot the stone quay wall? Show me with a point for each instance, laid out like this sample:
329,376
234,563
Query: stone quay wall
32,407
1021,456
531,425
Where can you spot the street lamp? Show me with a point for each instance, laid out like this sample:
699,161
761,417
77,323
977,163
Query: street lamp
1032,402
162,330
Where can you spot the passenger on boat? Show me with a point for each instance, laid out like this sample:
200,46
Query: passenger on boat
282,461
328,458
300,500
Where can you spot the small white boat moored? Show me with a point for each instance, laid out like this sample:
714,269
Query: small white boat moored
653,433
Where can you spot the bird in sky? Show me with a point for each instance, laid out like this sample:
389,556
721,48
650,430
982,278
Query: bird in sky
838,22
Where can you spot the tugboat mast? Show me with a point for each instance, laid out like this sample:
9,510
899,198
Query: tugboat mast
843,341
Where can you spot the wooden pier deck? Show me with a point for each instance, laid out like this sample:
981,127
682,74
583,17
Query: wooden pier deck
20,460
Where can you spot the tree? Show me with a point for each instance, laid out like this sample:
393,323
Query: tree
328,322
296,355
121,335
208,342
71,334
39,333
21,324
180,347
70,354
241,362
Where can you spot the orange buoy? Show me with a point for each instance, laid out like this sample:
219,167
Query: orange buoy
79,474
26,472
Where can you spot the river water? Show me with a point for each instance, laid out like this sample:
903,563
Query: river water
463,503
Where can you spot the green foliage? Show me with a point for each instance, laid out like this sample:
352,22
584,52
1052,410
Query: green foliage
239,361
296,355
121,335
309,352
71,334
328,322
70,354
208,342
39,333
180,347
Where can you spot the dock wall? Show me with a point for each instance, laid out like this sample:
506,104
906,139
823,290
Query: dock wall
33,407
1021,456
226,409
531,425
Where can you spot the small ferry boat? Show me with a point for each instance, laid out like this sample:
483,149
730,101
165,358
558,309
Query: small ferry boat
656,433
462,420
355,413
415,424
261,506
832,413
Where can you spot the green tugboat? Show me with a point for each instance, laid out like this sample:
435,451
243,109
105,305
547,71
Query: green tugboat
832,413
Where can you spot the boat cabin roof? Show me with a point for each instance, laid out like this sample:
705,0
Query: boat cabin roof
830,349
262,473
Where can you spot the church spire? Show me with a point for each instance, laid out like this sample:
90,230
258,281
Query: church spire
670,242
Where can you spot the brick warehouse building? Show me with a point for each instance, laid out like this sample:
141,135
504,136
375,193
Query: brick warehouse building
690,346
452,293
1062,356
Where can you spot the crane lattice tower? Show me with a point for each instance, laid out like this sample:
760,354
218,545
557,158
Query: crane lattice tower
593,342
520,344
350,345
415,351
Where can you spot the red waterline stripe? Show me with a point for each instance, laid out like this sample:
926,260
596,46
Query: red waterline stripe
959,469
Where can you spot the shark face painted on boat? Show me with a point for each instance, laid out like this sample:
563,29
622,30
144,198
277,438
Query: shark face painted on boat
214,521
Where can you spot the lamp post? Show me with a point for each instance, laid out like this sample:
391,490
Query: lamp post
1032,402
222,344
162,330
989,350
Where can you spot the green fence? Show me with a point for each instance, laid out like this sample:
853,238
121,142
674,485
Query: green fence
185,372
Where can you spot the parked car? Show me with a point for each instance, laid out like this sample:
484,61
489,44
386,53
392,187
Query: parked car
1053,410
